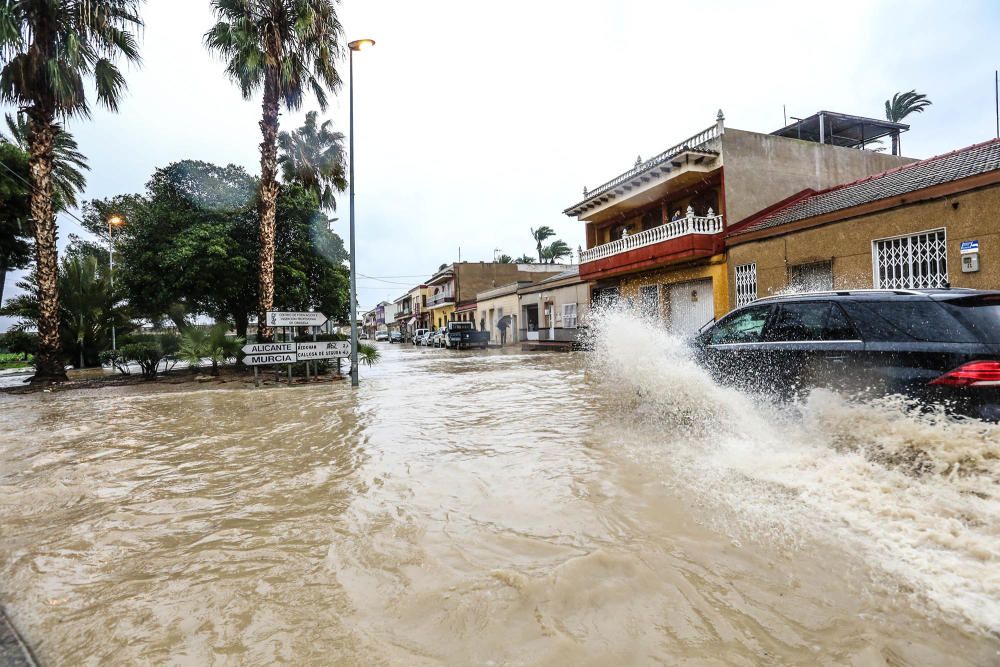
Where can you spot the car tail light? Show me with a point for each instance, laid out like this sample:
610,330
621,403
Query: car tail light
972,374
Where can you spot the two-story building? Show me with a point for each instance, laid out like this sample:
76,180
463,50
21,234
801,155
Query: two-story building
655,234
452,291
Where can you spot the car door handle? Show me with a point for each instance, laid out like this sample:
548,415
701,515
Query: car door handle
838,360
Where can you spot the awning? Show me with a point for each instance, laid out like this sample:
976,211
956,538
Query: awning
412,321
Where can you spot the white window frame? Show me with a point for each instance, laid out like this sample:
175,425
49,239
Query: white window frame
745,283
877,283
567,317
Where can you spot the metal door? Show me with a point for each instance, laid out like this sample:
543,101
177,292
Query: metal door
691,306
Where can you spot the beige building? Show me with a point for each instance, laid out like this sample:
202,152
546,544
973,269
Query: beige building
554,312
451,292
499,303
656,233
932,223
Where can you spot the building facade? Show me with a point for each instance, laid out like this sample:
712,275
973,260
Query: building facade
656,233
554,311
501,303
933,223
452,291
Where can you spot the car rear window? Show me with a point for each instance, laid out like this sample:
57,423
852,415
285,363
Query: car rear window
908,320
979,313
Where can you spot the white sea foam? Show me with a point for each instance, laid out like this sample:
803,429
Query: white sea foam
914,493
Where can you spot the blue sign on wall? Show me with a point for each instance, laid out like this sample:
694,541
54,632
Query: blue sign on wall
969,246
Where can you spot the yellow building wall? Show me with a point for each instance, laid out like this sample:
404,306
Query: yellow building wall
715,268
973,215
441,316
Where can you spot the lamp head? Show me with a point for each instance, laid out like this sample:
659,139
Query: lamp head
116,221
359,44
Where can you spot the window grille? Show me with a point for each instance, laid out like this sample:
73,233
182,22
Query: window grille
911,262
569,315
746,284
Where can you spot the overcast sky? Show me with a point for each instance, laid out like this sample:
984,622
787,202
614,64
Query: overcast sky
477,121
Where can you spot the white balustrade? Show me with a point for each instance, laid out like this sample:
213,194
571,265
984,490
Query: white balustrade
689,224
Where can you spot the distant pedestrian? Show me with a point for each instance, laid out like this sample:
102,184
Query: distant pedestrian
502,326
482,324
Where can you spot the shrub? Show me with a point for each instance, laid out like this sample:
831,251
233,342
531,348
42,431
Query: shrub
148,351
198,343
368,354
19,342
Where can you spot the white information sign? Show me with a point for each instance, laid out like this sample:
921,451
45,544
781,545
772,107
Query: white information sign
323,350
268,348
273,358
276,318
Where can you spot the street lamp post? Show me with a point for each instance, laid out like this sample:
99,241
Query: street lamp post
113,221
356,45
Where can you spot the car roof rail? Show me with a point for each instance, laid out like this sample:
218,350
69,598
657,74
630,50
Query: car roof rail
845,292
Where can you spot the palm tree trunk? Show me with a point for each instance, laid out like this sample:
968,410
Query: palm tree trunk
540,260
895,144
48,362
268,204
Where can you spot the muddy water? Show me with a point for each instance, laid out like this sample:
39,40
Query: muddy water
501,509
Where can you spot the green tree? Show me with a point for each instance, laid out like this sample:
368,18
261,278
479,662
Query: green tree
505,259
309,267
525,259
15,211
902,105
540,235
188,246
68,162
88,308
556,251
283,48
313,156
50,47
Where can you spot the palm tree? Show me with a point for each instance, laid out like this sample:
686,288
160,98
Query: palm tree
505,259
525,259
313,157
49,47
540,235
281,47
68,165
902,105
556,250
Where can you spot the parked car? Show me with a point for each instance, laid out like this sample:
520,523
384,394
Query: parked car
418,336
438,337
939,346
362,336
395,337
381,336
464,335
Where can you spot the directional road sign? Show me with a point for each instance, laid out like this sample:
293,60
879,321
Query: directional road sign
272,358
268,348
277,318
323,350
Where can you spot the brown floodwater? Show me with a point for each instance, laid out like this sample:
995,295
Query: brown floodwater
610,508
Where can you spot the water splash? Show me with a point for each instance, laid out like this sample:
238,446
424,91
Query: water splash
915,492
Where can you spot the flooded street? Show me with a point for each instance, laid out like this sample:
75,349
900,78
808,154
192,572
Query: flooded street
605,508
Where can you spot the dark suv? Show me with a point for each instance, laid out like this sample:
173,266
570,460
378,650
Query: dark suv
939,346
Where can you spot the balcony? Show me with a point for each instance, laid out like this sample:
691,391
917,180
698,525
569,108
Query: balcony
441,298
690,236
